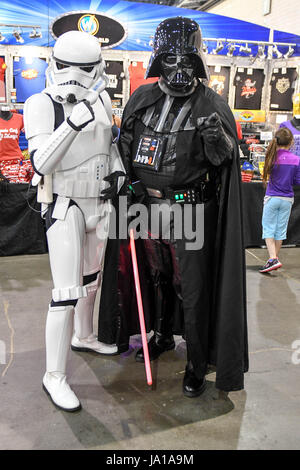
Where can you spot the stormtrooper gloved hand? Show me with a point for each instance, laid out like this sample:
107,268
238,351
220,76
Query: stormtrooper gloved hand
81,115
116,180
217,145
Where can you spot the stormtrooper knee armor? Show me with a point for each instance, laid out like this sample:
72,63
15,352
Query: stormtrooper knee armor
68,127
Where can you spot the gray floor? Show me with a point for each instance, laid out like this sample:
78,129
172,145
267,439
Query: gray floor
119,410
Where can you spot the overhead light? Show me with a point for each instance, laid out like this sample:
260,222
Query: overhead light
18,36
218,48
35,34
261,52
289,53
246,49
277,52
231,49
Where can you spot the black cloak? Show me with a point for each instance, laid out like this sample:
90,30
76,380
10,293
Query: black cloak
228,347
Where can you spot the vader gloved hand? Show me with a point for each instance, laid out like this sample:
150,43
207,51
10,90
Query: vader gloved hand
81,115
116,180
217,145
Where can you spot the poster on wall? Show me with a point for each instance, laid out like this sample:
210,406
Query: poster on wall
249,84
282,89
249,115
219,80
115,71
2,80
29,76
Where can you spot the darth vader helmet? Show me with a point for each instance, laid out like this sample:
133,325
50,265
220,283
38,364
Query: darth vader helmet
177,55
76,69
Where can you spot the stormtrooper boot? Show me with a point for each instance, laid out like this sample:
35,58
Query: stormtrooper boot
59,328
84,339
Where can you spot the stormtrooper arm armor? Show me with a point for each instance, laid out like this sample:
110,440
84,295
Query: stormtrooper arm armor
117,175
116,165
46,147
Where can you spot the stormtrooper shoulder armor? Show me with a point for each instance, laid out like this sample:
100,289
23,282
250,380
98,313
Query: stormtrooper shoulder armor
107,103
39,115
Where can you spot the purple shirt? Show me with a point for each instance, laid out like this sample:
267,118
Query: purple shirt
285,174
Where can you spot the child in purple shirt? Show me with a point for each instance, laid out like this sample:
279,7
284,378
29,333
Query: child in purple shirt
282,172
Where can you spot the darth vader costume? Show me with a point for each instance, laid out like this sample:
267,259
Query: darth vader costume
178,143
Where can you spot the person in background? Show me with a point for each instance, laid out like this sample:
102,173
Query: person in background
281,172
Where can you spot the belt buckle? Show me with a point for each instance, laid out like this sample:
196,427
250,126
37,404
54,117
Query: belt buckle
154,193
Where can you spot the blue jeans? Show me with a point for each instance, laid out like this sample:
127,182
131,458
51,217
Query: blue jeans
275,219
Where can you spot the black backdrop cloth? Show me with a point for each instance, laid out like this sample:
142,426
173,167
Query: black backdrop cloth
253,197
21,229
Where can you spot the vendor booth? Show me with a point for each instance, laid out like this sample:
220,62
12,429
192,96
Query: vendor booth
255,69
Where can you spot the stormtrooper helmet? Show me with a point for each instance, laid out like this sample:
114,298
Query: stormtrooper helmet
76,69
177,56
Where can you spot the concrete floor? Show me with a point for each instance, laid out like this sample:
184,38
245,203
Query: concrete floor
120,412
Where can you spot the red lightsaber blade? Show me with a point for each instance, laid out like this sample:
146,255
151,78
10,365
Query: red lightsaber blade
140,307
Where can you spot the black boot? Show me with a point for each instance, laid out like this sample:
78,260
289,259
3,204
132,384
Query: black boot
156,346
162,340
192,386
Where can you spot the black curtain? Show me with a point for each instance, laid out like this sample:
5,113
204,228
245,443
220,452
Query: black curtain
22,229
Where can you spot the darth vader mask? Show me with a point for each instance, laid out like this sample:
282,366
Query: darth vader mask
178,70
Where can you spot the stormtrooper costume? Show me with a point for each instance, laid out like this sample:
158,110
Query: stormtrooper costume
178,144
69,132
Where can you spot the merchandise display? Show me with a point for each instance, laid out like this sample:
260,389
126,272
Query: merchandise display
137,78
115,71
249,84
29,76
11,125
13,167
219,80
2,80
282,88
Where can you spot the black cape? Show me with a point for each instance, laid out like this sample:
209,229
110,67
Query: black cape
228,323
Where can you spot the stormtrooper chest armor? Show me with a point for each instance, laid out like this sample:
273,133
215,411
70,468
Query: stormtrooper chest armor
81,171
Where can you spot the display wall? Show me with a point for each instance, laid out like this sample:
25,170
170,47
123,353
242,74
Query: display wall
127,52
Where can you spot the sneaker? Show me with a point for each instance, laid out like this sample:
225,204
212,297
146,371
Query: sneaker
271,264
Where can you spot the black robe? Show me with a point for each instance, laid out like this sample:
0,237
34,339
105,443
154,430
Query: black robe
224,257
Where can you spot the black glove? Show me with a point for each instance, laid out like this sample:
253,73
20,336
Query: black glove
217,145
113,180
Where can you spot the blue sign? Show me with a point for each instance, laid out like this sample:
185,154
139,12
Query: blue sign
139,20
